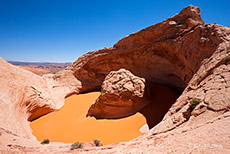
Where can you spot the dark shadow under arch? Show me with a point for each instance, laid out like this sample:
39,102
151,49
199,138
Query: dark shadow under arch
160,100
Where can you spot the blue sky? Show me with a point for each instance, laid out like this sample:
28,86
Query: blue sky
63,30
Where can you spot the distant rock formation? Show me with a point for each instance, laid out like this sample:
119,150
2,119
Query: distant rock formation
182,54
37,71
41,68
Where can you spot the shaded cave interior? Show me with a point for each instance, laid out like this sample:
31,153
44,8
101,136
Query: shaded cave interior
160,100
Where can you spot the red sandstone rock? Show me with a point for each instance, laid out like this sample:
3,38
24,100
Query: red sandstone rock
167,53
122,95
180,52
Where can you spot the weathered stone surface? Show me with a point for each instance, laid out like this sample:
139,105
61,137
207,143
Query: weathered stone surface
180,52
170,53
25,96
21,94
122,94
167,53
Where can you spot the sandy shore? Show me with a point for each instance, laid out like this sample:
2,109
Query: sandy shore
70,124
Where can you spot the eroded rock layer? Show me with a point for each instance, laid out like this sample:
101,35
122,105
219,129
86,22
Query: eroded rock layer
25,96
168,53
180,52
122,94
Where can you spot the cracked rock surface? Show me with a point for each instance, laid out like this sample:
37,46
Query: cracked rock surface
182,53
122,94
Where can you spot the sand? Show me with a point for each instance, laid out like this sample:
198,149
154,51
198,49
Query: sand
70,124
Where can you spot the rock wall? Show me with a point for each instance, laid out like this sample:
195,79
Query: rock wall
168,53
182,52
24,96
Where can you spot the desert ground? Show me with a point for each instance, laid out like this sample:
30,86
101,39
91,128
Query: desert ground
41,68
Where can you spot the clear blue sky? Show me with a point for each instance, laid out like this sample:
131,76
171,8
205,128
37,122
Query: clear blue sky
63,30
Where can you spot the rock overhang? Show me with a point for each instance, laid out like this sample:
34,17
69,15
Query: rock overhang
186,43
163,53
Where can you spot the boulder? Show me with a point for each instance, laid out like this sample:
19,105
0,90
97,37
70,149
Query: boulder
122,94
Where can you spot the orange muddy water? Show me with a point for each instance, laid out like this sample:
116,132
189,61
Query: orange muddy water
70,124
